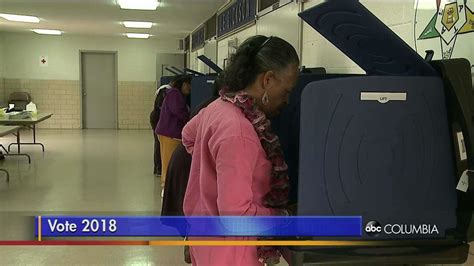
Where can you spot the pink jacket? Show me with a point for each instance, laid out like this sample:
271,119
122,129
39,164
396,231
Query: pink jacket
230,175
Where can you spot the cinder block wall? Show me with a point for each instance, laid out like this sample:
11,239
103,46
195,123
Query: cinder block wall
63,98
135,102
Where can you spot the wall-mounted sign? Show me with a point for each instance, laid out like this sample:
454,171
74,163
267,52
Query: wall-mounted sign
43,61
237,15
445,20
198,38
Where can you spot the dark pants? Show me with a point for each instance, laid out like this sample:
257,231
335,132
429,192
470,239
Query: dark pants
156,156
176,182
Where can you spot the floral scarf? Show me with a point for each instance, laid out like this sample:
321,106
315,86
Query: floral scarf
277,197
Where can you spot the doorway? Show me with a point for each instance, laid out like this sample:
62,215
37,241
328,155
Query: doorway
99,90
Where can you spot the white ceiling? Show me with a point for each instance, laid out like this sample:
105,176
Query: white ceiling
173,18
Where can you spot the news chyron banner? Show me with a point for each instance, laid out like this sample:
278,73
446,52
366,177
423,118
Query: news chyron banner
203,226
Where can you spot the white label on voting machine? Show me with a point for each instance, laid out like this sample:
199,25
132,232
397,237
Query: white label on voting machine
383,97
461,146
463,183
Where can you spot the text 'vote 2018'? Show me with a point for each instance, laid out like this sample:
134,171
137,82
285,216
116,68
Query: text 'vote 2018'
86,225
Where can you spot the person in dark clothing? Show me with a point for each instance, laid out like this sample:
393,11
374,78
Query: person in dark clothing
154,118
174,115
175,184
178,174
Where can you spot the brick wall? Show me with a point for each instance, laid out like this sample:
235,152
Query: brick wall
135,104
63,99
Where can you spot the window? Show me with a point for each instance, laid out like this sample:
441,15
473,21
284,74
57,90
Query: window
186,43
211,27
263,4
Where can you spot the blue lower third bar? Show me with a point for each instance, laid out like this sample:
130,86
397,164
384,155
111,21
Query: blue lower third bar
259,226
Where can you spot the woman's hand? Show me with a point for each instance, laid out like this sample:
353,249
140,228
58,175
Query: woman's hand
289,210
292,209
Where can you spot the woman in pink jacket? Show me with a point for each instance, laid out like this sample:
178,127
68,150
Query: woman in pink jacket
237,165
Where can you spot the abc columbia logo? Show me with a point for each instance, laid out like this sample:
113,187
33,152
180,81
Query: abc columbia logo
374,228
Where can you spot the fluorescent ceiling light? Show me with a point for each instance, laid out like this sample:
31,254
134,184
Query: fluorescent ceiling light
139,4
138,35
48,32
19,18
138,24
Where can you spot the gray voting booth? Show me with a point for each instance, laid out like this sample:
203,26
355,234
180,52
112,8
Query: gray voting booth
377,147
380,145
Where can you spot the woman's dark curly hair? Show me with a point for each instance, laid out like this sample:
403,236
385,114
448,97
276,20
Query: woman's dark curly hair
179,80
256,55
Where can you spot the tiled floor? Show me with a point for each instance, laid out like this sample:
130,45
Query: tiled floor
83,172
91,170
120,255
